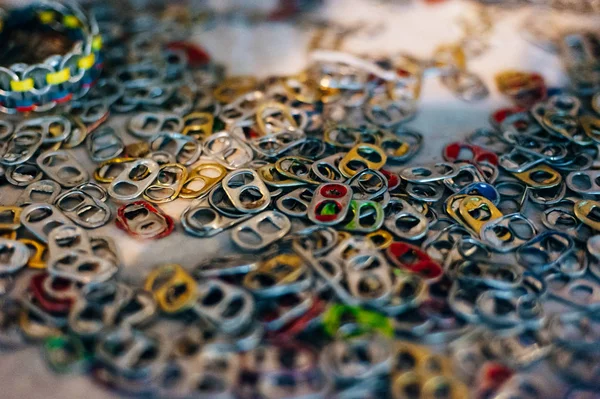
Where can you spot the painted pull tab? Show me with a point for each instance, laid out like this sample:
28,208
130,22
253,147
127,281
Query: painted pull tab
409,258
475,154
477,210
173,288
330,204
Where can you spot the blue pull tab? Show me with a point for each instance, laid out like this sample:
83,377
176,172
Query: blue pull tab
483,189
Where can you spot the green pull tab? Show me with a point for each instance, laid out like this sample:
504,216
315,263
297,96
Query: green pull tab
367,321
64,354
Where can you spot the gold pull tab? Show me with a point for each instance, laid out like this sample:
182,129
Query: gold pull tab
476,211
173,288
541,176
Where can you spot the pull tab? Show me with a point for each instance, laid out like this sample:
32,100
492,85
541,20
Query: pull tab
40,219
167,185
17,256
541,176
368,216
588,212
142,220
71,257
508,232
10,217
362,156
42,188
173,288
485,190
132,352
38,253
21,147
281,274
429,173
109,170
226,306
405,221
227,150
326,169
104,144
269,174
409,258
204,221
296,203
261,230
133,180
201,180
267,118
330,204
183,149
62,167
198,125
565,126
148,124
296,168
242,182
53,294
470,153
83,209
584,182
475,211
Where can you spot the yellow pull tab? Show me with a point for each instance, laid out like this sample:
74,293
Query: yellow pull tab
381,239
541,176
8,234
588,212
362,156
233,87
450,56
281,270
198,125
270,110
476,211
201,180
269,174
173,288
38,253
591,127
10,217
109,170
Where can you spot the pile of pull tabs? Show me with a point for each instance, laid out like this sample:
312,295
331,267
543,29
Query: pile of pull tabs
357,276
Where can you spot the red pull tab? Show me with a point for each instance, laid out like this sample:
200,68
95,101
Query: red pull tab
300,324
411,258
122,223
492,377
46,299
196,56
329,208
525,89
501,114
452,153
392,179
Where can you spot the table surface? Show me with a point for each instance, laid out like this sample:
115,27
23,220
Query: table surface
279,48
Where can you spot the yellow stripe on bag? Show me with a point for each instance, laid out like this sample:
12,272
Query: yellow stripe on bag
21,85
71,21
56,78
87,62
46,16
97,43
